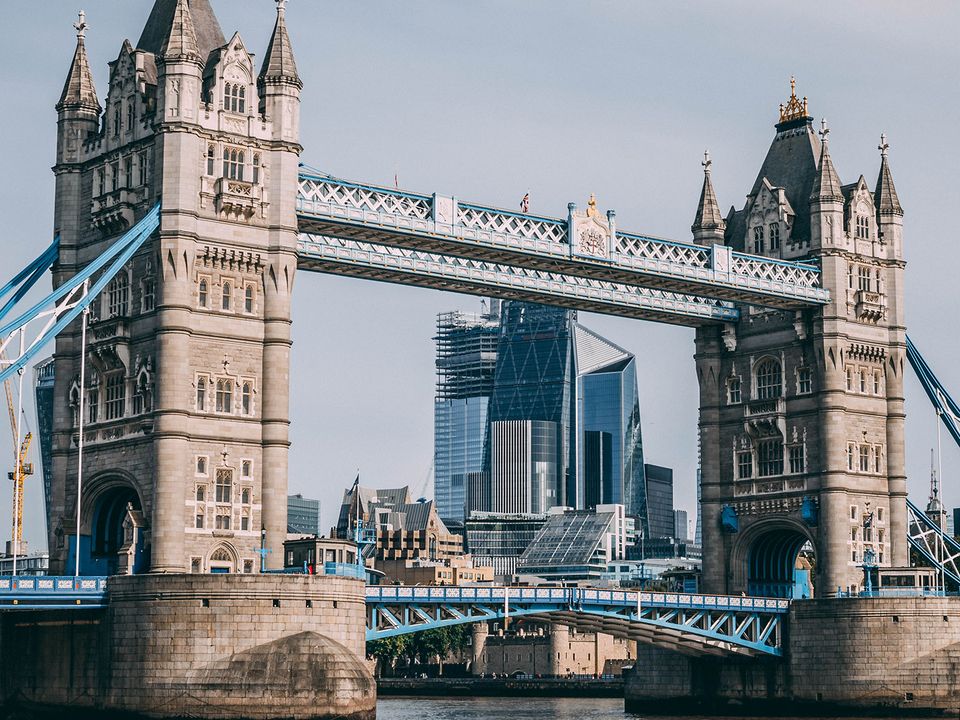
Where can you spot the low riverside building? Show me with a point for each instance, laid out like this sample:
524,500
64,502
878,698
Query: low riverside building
576,545
497,540
452,571
404,530
549,651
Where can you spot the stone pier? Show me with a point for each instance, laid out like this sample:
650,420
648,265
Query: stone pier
202,646
894,656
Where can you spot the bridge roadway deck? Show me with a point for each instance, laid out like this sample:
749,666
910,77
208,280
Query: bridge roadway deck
433,224
693,624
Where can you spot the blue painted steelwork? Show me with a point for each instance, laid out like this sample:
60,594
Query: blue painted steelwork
117,255
446,227
47,592
700,624
27,277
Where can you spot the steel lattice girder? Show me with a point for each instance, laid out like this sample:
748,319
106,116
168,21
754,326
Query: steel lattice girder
936,547
386,263
694,624
434,224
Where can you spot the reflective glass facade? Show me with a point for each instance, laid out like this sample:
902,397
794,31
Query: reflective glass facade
466,360
534,382
660,501
609,404
459,429
43,387
498,541
303,515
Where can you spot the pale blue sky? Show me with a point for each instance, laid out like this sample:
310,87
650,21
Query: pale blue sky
487,100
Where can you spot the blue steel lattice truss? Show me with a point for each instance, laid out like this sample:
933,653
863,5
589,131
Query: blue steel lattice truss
695,624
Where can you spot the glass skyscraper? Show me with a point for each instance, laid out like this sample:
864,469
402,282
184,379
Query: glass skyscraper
531,440
466,359
610,450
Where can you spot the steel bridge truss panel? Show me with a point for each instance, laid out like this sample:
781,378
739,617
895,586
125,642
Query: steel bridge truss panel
692,624
52,592
387,263
443,225
935,545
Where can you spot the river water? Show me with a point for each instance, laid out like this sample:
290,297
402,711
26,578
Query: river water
489,708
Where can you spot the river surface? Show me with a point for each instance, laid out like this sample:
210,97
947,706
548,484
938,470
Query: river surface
489,708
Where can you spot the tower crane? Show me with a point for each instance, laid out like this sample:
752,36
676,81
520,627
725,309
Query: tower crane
22,469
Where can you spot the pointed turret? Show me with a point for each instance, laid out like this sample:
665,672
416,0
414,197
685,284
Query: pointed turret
79,92
826,184
708,225
279,65
181,42
885,196
206,29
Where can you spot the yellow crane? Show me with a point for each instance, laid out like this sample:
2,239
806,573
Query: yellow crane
22,469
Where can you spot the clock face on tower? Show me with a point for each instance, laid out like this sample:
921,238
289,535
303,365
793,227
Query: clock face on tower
592,242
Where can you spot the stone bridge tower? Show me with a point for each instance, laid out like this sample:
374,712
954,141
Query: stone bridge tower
801,413
186,394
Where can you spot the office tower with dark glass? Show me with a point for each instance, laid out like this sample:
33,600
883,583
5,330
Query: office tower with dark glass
610,453
660,502
303,515
43,389
466,360
531,443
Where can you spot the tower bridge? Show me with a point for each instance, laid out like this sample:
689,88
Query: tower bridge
182,214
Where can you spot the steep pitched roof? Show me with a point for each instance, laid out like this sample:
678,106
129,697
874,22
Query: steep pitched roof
278,63
826,184
791,164
79,91
885,196
181,41
708,215
209,36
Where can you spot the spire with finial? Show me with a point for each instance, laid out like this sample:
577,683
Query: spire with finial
79,92
279,65
885,196
181,42
708,224
795,109
826,185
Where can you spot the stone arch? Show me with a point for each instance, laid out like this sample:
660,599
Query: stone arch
223,559
106,500
765,556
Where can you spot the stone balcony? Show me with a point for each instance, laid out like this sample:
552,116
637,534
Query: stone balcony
237,199
115,211
110,331
869,305
765,418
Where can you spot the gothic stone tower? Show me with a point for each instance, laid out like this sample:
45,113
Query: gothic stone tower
186,418
801,413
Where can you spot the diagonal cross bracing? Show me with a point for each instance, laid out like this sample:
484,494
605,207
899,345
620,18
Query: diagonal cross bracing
694,624
387,263
437,224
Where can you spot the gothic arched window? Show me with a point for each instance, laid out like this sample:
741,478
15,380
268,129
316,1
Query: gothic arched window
246,400
202,293
118,295
242,100
201,394
863,227
226,295
224,485
248,299
769,380
224,395
234,97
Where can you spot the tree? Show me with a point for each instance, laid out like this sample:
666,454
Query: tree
388,650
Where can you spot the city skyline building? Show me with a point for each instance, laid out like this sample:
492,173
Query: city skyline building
498,540
681,526
660,502
531,441
610,450
303,515
466,359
